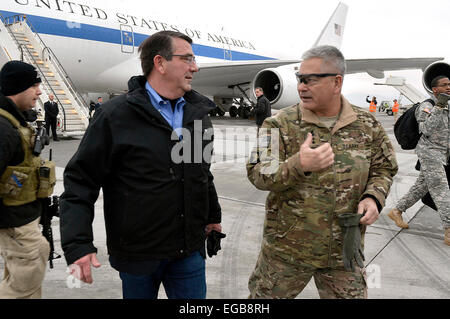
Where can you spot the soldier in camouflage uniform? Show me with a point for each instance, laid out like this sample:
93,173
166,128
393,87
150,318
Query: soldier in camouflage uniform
433,151
333,158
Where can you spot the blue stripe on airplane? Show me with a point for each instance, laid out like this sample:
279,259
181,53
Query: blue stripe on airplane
77,30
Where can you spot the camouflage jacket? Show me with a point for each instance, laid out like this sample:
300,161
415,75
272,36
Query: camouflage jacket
434,125
301,209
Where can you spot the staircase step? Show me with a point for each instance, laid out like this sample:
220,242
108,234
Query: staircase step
70,109
74,117
20,35
55,86
74,121
72,128
52,83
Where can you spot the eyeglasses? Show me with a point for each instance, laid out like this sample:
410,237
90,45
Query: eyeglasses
313,78
189,58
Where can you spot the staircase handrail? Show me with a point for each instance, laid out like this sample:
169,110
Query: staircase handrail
58,64
45,79
70,85
21,46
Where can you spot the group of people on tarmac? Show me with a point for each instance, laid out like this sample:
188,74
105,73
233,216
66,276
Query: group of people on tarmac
373,106
329,181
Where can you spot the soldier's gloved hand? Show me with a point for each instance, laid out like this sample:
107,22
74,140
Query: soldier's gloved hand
442,100
351,240
213,242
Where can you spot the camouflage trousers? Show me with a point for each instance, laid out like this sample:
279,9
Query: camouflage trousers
275,279
433,179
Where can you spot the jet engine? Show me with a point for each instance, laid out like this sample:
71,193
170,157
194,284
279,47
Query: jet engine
279,85
433,70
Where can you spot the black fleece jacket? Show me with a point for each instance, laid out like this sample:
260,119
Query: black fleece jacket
155,206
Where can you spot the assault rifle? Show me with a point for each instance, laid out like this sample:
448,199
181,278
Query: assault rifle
50,209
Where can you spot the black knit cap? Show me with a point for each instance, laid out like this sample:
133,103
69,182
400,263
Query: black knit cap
16,77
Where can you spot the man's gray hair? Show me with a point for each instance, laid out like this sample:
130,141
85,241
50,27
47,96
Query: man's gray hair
329,54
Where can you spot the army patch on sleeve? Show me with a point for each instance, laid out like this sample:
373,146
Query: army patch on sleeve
427,110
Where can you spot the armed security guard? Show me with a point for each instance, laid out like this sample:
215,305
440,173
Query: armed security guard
335,168
24,179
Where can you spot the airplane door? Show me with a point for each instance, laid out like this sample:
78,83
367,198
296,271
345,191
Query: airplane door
127,38
227,54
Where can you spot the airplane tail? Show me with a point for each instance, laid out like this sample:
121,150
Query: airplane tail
333,32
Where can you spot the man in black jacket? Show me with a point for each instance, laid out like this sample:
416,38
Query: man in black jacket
262,108
146,149
51,112
24,249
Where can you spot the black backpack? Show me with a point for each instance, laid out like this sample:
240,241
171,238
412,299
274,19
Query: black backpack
406,129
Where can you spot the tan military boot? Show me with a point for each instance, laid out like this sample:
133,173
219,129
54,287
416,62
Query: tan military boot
447,236
396,216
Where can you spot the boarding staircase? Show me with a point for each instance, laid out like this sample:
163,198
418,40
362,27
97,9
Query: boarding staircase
407,90
19,41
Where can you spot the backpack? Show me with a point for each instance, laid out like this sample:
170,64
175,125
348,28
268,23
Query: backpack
406,129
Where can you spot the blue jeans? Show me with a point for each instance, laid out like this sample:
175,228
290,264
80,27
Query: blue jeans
182,279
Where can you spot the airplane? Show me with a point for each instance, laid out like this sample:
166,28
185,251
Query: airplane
97,45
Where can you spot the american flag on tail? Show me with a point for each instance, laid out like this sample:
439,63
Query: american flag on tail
338,29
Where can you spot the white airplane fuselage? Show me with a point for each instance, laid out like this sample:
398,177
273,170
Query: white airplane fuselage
97,44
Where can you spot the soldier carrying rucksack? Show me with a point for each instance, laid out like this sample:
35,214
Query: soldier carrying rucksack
431,140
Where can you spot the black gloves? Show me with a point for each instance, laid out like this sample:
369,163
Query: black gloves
213,242
351,240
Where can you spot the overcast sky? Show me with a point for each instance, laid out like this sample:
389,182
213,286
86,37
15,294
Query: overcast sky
374,29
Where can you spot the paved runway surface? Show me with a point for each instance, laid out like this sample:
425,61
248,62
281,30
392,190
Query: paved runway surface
412,263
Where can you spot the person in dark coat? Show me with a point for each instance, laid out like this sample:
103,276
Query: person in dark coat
160,202
51,113
263,109
99,103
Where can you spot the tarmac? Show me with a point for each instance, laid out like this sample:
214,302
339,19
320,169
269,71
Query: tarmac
412,263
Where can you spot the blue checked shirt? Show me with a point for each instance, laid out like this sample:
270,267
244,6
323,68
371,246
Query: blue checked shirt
173,117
